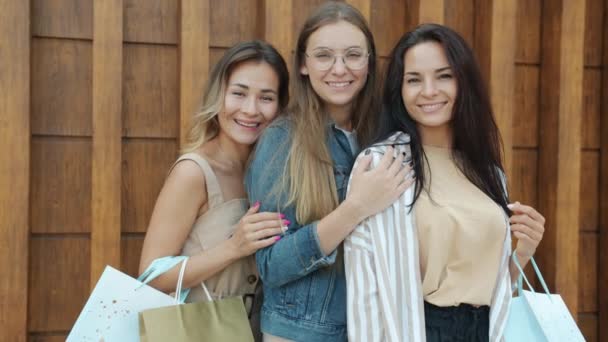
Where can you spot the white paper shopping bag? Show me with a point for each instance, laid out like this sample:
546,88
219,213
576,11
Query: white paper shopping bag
539,317
111,312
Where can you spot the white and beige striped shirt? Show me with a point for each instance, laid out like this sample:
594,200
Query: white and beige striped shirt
384,291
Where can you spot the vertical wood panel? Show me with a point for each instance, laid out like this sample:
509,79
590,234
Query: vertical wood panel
14,166
496,39
59,285
526,107
588,266
528,29
150,21
60,185
431,11
459,15
365,7
150,99
62,18
107,103
61,87
279,26
387,23
560,143
593,32
603,229
194,58
592,98
590,198
131,246
144,168
225,33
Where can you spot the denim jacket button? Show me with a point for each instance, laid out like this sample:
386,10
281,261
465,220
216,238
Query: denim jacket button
252,279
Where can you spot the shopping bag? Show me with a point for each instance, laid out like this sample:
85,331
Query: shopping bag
539,316
215,320
110,313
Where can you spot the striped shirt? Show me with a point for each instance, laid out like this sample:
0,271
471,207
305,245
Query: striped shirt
382,268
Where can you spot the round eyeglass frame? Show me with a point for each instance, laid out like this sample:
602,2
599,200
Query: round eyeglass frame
365,57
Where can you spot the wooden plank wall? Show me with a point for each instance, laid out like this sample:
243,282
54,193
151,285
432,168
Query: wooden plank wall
110,86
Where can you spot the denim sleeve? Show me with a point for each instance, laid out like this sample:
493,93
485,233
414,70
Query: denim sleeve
298,253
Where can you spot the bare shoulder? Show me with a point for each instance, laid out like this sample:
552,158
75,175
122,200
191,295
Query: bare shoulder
186,179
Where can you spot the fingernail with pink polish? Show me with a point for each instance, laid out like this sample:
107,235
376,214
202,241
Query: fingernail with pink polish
286,222
277,238
256,204
282,216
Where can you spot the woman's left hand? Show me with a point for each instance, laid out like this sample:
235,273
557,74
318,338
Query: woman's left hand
528,226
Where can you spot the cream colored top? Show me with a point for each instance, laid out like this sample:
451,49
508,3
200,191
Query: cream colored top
461,235
214,226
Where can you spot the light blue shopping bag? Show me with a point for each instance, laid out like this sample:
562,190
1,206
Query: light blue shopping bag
111,312
539,316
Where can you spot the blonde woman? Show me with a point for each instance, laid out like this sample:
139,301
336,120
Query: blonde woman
301,167
201,210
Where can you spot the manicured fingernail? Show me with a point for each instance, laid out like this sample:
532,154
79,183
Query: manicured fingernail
282,216
277,238
286,222
510,206
256,204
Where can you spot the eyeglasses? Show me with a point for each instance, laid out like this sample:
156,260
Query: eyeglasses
353,59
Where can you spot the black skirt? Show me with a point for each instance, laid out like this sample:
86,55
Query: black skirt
457,323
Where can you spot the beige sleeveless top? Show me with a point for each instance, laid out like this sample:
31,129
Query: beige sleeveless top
214,226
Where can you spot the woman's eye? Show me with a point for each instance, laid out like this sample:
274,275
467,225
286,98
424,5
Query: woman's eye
412,80
445,76
267,98
238,93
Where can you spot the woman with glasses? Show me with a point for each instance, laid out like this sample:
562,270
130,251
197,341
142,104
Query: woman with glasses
301,167
436,264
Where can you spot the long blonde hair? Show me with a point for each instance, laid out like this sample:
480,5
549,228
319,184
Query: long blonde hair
309,172
205,125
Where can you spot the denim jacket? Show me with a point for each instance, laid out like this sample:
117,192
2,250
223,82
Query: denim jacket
304,290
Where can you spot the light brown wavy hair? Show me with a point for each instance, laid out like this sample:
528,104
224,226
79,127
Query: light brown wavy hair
309,173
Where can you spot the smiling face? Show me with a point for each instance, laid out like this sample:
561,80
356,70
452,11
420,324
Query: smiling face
339,85
429,88
251,102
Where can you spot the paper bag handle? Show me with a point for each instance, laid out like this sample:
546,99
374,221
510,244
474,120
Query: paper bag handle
162,265
522,275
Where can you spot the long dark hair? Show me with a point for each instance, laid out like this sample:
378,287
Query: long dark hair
476,143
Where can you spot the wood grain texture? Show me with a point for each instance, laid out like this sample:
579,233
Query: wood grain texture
594,44
61,87
151,21
526,106
144,168
150,94
458,16
14,166
59,282
588,266
529,20
431,11
592,99
279,28
107,121
387,23
560,144
603,226
60,185
495,47
523,183
193,59
590,186
588,323
62,18
47,338
131,246
365,7
225,33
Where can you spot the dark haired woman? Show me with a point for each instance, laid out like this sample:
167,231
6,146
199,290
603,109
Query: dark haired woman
436,264
201,210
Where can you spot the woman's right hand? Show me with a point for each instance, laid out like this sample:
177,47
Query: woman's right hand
256,230
372,191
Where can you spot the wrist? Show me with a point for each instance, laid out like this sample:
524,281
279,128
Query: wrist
353,210
232,251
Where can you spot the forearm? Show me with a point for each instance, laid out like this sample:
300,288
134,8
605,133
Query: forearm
337,225
200,267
